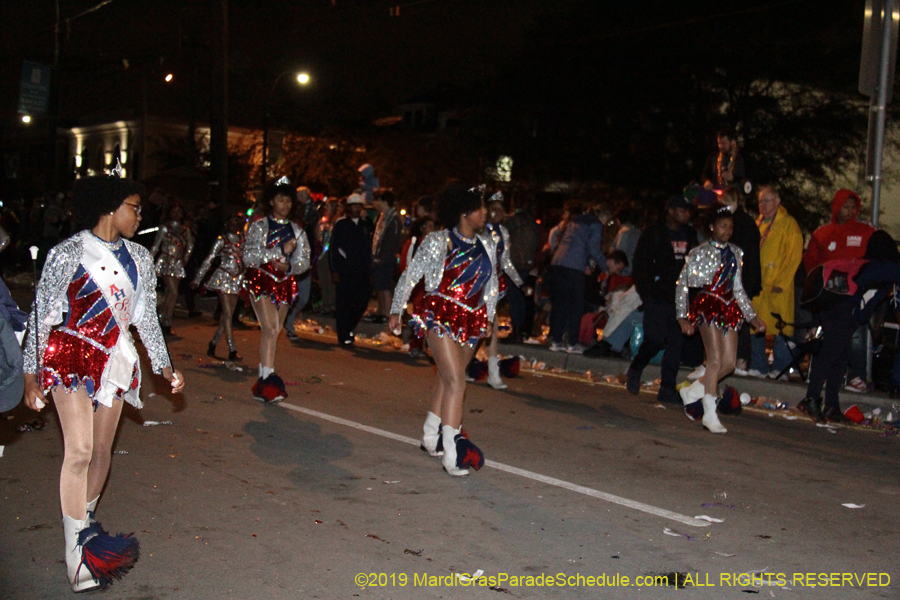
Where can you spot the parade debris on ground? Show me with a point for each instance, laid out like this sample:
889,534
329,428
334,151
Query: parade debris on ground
32,426
872,420
155,423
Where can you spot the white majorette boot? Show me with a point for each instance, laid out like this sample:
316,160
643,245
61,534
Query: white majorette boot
431,435
459,453
710,419
691,396
91,510
79,576
94,559
494,374
448,437
692,393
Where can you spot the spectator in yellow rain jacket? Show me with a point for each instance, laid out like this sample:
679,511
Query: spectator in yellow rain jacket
780,252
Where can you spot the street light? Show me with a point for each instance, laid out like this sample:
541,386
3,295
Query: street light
26,119
302,79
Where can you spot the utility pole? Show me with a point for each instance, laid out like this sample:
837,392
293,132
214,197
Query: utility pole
219,106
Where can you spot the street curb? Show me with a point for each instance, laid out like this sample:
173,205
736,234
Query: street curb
785,391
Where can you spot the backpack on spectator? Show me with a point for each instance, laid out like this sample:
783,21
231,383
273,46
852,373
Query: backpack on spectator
830,284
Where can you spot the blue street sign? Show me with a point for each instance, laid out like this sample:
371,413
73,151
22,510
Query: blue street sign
34,90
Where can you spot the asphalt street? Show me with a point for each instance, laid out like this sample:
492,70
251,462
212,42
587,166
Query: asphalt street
328,496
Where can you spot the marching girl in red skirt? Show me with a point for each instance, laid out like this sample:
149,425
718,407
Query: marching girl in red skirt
275,252
227,279
79,350
172,248
456,311
718,310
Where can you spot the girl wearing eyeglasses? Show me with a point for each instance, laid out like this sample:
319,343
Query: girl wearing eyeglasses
79,352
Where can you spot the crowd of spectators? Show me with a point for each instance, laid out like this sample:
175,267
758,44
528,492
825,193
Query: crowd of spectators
600,272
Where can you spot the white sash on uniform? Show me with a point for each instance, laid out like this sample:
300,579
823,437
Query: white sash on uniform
115,285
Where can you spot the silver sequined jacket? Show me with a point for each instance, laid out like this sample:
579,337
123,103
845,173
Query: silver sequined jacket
174,243
699,269
256,253
428,262
52,300
505,262
228,277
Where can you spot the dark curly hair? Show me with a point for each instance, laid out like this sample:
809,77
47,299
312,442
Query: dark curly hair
94,197
275,189
175,203
455,200
717,214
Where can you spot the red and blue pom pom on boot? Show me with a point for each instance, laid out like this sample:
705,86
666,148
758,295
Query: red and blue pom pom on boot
460,454
509,367
730,402
256,390
271,389
477,370
107,557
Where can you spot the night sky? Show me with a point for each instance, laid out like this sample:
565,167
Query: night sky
591,89
364,61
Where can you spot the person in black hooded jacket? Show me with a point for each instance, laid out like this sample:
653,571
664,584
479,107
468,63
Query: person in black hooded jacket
658,261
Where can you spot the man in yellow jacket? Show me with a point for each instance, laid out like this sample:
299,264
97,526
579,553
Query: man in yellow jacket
780,252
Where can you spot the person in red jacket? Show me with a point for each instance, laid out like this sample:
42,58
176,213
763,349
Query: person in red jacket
844,237
841,239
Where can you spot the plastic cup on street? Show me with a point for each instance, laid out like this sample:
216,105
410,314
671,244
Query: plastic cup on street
854,414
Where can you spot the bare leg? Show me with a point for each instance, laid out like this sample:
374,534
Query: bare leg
437,396
712,342
76,414
451,359
270,319
106,421
170,298
228,302
721,353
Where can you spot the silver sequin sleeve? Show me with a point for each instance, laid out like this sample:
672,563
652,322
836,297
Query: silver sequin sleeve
174,244
428,262
146,321
207,262
50,297
51,301
506,262
699,269
300,258
189,249
158,240
255,251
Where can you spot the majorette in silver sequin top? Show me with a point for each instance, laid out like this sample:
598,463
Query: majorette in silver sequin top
505,262
428,262
256,253
701,265
51,302
228,277
174,243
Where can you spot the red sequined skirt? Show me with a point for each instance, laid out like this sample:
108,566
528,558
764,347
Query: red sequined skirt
708,308
269,281
446,317
72,361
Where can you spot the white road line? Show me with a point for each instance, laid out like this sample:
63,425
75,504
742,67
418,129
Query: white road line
653,510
